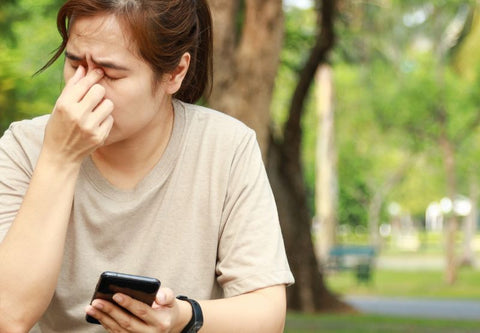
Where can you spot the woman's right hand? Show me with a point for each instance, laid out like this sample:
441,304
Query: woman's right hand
81,119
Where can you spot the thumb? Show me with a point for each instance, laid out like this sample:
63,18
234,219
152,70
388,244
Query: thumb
165,297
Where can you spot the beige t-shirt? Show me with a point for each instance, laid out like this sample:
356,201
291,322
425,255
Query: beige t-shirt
203,221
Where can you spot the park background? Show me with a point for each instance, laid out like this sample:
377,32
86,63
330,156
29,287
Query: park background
367,113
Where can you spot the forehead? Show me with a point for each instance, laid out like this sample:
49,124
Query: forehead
101,35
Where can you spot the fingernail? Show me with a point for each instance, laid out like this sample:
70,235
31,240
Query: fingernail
118,298
90,310
97,305
162,297
99,71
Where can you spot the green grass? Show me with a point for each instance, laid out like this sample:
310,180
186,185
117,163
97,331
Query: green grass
418,284
302,323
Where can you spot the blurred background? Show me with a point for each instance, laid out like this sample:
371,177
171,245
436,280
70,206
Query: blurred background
368,115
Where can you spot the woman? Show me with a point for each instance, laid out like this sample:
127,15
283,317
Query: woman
126,175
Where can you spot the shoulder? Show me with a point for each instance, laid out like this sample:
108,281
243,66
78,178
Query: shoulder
30,130
24,138
215,124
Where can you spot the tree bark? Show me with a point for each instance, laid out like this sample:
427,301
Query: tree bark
309,293
380,191
470,225
286,175
452,219
246,58
326,184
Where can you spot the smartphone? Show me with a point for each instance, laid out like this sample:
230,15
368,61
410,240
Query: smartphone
139,287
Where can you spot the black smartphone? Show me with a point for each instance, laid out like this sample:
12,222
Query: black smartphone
139,287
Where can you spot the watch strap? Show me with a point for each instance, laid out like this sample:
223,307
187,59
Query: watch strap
196,322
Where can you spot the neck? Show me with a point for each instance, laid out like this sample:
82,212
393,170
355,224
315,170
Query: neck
127,162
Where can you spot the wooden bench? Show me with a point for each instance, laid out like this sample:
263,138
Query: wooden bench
359,258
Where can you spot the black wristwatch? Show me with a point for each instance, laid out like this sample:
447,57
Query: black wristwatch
196,322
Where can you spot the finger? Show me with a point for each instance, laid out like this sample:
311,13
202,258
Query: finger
137,308
105,128
101,112
100,122
77,90
93,97
113,317
165,297
79,73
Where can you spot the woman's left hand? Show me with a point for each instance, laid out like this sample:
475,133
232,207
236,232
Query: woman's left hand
163,316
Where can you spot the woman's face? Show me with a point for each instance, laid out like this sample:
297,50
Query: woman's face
100,42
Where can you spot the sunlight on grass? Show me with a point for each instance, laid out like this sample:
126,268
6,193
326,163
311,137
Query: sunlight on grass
302,323
416,284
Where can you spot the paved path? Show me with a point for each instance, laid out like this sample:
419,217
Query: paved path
421,308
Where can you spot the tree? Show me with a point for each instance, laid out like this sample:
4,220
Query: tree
417,93
246,60
246,57
326,184
27,37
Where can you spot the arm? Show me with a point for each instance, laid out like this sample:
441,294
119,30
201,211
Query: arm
32,250
262,310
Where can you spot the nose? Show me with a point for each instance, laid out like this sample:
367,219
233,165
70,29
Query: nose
90,65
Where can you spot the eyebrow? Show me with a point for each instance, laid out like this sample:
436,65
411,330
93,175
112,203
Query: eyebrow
105,64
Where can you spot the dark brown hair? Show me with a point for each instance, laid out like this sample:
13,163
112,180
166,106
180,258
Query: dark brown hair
163,30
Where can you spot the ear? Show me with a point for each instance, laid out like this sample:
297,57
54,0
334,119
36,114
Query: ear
175,78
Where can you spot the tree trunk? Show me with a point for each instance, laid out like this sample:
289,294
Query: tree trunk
246,60
286,175
309,292
452,220
380,191
326,184
245,65
470,225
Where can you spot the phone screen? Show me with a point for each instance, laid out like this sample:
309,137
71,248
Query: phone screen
141,288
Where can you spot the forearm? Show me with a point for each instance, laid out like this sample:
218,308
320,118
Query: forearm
259,311
32,251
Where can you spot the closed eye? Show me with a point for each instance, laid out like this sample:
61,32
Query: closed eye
111,78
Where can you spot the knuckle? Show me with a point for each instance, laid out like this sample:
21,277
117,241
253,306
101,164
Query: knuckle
141,312
125,323
84,127
61,105
97,139
166,323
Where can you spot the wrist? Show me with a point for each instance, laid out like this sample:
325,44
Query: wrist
58,163
195,321
185,314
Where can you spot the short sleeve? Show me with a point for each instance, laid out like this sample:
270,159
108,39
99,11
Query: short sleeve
16,168
251,252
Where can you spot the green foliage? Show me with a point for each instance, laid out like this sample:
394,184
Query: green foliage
24,47
395,92
299,38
